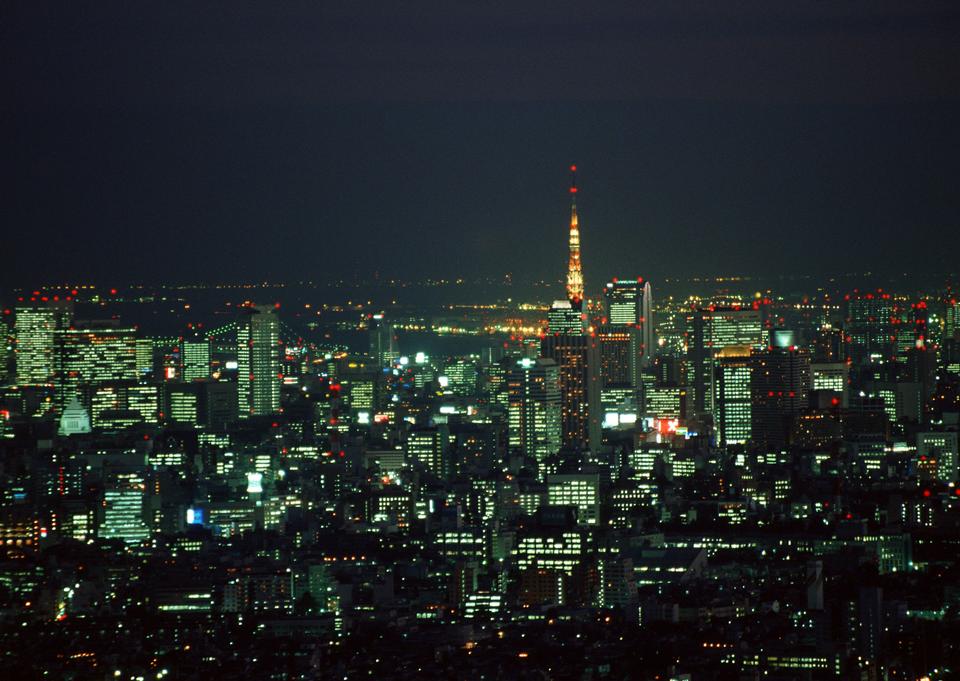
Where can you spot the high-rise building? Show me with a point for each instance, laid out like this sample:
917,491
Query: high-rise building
461,375
827,344
781,391
713,329
195,358
565,317
665,403
577,359
534,408
951,320
622,300
145,359
733,399
872,325
647,324
93,353
383,340
619,355
6,346
258,362
123,509
429,447
628,303
34,329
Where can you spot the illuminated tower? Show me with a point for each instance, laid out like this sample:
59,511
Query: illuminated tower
574,270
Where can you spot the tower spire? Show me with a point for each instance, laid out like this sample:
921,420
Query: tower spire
574,270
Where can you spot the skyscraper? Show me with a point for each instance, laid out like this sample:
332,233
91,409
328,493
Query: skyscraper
534,408
383,340
258,362
93,353
732,394
872,324
195,358
6,345
628,303
564,317
647,324
34,329
714,328
622,302
577,359
781,391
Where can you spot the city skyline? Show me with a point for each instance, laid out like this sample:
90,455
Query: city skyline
319,360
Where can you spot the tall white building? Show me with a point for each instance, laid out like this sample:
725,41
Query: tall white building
258,362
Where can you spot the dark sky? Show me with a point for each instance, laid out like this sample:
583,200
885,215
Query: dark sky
180,141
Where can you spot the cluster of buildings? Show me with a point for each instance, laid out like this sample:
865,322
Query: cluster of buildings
733,487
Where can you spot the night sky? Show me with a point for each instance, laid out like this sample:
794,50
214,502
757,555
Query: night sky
169,141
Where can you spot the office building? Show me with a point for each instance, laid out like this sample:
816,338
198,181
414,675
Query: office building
258,362
534,408
35,327
92,353
577,361
733,399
